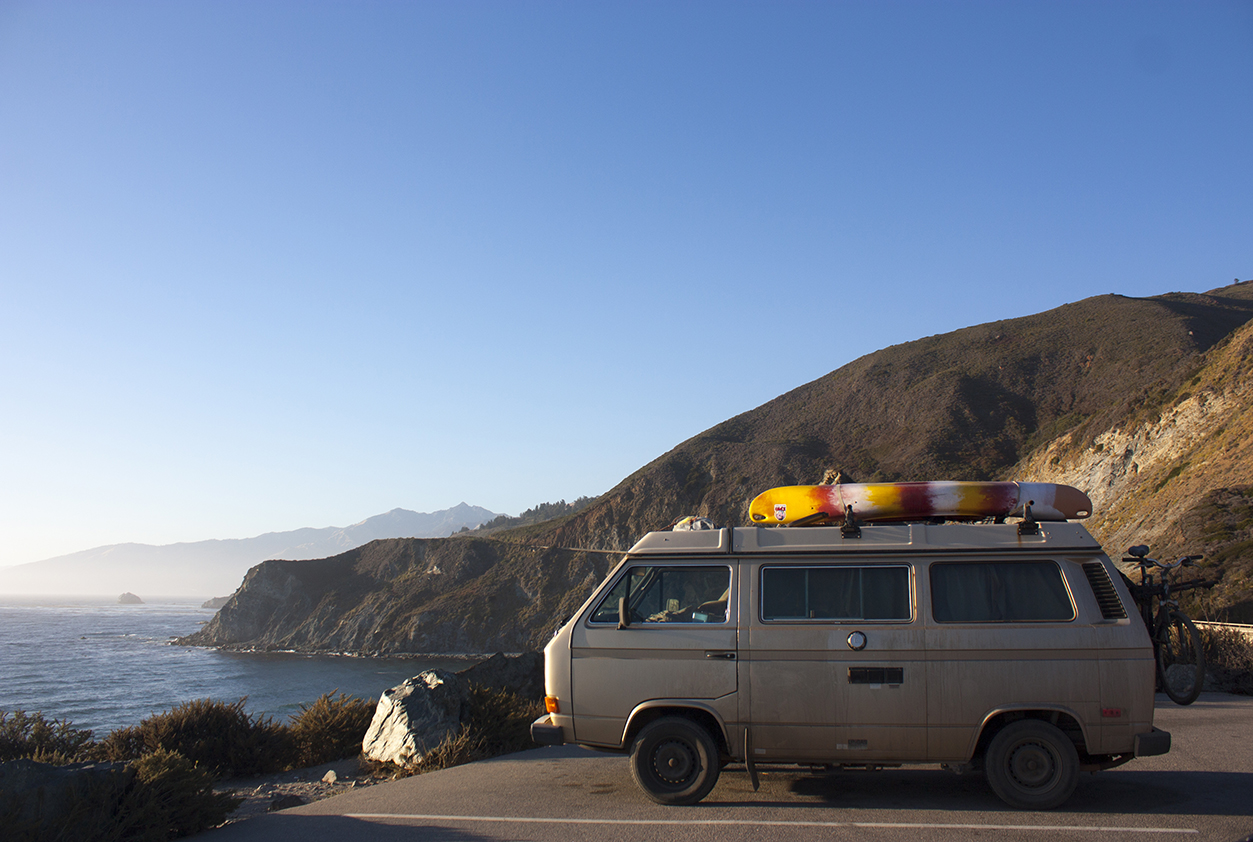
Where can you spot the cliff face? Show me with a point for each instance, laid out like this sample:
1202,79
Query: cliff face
1144,403
1177,475
408,595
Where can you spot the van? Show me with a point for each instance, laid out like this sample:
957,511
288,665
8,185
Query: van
1014,649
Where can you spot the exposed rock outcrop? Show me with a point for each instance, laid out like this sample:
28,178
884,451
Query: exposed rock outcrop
453,595
129,598
522,674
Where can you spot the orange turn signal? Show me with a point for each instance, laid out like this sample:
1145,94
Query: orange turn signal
551,704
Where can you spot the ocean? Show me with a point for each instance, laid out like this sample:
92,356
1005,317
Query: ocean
105,666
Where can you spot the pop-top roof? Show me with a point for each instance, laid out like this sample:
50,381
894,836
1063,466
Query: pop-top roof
902,537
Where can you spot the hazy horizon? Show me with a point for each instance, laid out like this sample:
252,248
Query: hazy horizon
216,567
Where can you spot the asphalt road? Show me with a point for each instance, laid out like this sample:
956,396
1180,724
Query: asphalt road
1201,790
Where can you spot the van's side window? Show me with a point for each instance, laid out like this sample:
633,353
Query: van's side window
999,592
835,593
669,595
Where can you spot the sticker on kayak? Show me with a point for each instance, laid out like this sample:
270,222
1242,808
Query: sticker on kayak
780,511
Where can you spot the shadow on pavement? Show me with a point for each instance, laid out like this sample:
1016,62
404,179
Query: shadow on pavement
293,827
1122,792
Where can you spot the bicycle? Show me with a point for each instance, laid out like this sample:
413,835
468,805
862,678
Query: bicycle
1176,642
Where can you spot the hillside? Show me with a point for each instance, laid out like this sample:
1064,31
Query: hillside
1142,402
968,405
1177,474
409,595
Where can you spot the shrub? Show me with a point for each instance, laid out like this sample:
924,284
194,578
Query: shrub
330,728
119,745
219,736
1228,659
502,719
172,797
48,741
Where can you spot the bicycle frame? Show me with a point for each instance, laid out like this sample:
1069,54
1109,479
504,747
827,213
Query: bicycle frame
1176,642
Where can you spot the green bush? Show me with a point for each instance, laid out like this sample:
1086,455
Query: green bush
217,735
172,797
164,797
176,756
122,744
49,741
502,719
330,728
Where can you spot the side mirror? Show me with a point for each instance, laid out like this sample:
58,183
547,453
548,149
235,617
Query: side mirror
624,615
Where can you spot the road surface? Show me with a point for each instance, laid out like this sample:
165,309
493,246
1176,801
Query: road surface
1201,790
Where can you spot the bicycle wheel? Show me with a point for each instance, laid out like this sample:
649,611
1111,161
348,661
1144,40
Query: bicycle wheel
1180,659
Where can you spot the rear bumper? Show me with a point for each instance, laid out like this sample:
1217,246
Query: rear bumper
1154,742
544,732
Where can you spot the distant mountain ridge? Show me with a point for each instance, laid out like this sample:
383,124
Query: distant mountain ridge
216,567
1146,403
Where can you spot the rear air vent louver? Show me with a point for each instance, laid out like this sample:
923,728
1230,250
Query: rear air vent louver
1103,589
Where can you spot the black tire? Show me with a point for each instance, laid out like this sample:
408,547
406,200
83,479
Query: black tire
1032,765
1180,660
675,761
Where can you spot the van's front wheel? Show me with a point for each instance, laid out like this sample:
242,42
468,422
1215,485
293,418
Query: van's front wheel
675,761
1032,765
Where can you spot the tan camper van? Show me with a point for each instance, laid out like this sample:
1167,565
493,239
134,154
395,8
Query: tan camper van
973,645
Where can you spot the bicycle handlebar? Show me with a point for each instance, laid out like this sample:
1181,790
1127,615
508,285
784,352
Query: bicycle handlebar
1140,554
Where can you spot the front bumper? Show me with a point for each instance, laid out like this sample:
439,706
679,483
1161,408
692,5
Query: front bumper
544,732
1153,743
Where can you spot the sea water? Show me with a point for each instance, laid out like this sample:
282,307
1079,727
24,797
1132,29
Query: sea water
105,666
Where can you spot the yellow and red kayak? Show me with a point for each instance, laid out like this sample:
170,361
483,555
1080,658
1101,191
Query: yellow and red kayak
898,501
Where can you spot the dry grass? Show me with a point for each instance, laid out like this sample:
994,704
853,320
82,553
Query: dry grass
1228,660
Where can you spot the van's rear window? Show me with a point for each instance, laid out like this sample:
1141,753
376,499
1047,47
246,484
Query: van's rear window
999,592
835,593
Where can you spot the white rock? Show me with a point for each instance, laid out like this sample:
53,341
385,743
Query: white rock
414,717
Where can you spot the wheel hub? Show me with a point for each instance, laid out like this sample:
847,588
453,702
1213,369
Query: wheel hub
674,762
1032,765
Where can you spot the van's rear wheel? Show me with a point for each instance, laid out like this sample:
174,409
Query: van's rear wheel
1032,765
675,761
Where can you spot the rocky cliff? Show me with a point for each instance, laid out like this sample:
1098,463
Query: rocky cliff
1144,403
408,595
1177,474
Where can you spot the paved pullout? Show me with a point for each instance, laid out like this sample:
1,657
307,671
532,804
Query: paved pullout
1203,789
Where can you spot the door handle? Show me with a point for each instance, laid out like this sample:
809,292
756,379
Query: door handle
721,656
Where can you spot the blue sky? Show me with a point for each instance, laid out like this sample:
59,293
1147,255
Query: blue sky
266,265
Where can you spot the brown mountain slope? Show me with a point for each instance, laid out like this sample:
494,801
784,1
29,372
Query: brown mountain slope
964,405
1141,402
1177,474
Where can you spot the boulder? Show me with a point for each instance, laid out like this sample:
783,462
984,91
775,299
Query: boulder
523,674
129,598
414,717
